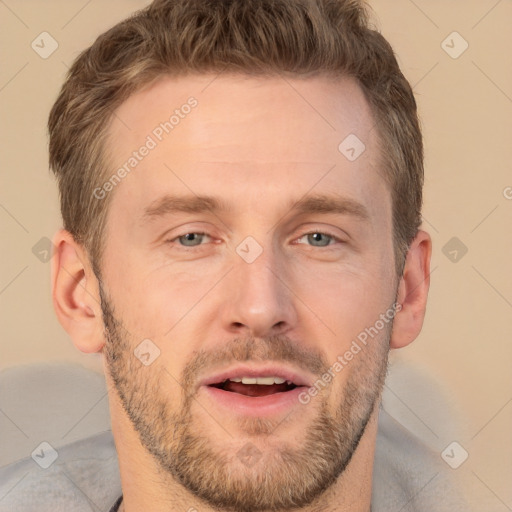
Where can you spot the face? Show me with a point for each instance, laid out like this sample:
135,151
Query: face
243,244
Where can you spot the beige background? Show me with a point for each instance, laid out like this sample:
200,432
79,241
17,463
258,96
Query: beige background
454,382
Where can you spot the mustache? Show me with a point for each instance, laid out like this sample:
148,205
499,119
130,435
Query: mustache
275,348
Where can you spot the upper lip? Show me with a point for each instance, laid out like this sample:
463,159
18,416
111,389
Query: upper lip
268,370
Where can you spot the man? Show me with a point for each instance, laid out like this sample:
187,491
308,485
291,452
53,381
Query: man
241,188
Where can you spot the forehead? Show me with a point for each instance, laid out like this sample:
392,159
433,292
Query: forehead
240,135
322,111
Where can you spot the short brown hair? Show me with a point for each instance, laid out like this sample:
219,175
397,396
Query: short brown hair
297,38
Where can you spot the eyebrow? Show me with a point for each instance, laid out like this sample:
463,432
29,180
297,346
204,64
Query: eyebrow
318,203
184,204
331,204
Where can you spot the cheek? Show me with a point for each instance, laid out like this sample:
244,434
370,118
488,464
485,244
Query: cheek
347,325
151,303
166,307
346,301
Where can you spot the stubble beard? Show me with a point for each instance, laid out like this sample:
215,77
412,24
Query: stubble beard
283,476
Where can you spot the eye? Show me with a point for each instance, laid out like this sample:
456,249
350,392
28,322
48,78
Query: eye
319,239
190,239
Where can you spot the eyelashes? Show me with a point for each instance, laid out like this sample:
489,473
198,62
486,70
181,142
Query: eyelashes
200,236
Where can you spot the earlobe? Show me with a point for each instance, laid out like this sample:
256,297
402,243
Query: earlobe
413,292
75,294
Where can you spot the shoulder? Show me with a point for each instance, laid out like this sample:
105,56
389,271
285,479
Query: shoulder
83,474
409,476
58,452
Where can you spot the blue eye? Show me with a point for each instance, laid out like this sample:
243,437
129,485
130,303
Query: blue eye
318,239
194,239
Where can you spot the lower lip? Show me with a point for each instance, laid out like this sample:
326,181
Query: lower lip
255,405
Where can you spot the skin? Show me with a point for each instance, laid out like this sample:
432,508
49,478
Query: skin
259,144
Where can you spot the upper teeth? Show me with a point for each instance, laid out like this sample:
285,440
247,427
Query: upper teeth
267,381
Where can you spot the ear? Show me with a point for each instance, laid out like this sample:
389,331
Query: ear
75,294
413,292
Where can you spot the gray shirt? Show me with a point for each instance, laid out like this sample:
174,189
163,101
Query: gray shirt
408,477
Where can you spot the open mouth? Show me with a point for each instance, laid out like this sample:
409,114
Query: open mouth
250,386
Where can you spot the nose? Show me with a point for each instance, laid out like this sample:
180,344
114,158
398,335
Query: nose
259,300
